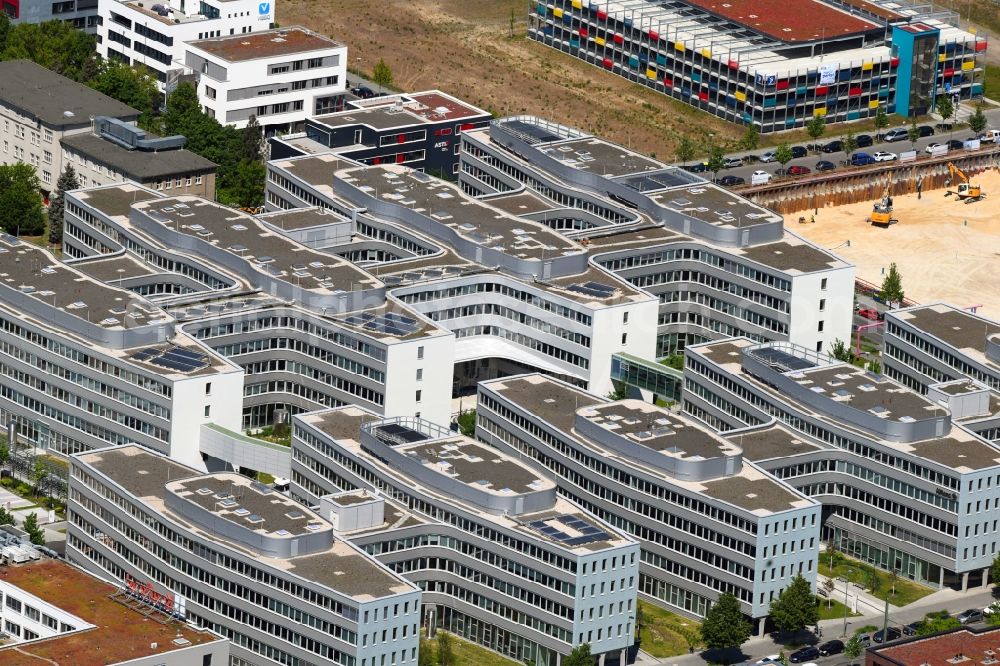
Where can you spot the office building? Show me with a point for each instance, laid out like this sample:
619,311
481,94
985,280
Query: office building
500,558
904,484
82,14
280,76
54,613
39,108
707,518
422,129
155,34
241,560
757,63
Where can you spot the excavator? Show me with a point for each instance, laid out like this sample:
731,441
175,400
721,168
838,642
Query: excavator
965,192
882,210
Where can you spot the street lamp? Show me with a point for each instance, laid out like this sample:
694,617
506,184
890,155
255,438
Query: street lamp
847,581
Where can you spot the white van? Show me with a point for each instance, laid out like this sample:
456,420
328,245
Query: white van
990,136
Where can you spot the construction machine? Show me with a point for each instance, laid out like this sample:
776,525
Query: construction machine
882,210
965,192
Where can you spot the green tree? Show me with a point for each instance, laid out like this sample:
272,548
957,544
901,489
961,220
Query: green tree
426,655
467,423
20,200
580,656
5,458
816,127
724,626
716,161
945,106
994,568
445,649
875,366
38,475
853,648
783,155
842,352
382,77
892,287
6,517
796,607
850,144
685,149
57,205
913,133
977,121
253,141
54,45
4,30
244,187
619,391
35,533
881,121
134,86
937,622
750,139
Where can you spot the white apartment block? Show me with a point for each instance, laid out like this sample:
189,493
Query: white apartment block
281,76
154,34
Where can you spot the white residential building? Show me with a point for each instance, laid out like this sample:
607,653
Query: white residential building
154,34
281,76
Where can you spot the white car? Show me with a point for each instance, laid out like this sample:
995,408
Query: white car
882,156
770,659
992,609
769,156
935,146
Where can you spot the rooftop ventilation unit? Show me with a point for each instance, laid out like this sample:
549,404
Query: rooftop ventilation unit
131,137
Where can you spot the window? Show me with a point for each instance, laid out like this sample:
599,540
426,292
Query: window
210,92
297,105
419,395
822,304
625,317
357,137
298,85
420,352
48,135
819,346
822,284
208,388
197,180
279,69
420,374
13,604
624,338
208,411
47,156
332,80
6,147
820,327
47,177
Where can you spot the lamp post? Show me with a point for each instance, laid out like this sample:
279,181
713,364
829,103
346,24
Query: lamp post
847,581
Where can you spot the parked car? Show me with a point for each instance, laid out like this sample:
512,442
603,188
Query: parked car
869,313
896,134
992,609
700,167
891,634
760,176
864,140
970,616
729,181
925,130
865,640
364,92
989,136
944,127
769,156
799,151
823,165
883,156
831,647
805,654
834,146
769,659
955,144
798,170
862,159
732,162
931,147
912,628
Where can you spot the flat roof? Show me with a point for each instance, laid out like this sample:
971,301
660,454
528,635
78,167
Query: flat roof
119,633
53,99
139,165
791,254
432,106
116,201
288,41
110,269
296,219
811,20
977,645
962,330
715,205
602,157
776,441
342,568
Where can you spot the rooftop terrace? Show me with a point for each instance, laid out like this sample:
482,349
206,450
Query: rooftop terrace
811,20
119,634
394,111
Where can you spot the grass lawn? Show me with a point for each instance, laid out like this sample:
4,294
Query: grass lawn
906,591
992,80
470,654
665,634
831,609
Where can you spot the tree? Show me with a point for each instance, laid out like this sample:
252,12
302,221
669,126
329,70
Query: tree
134,86
619,391
881,121
4,30
38,475
994,568
57,205
580,656
892,287
945,106
840,351
783,154
685,149
426,654
724,626
54,45
467,423
5,458
445,649
850,144
853,648
815,127
829,587
893,579
913,133
716,161
253,141
977,121
831,550
382,77
750,139
796,607
937,622
35,533
20,201
6,517
245,187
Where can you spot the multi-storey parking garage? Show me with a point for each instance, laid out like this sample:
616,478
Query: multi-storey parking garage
709,521
904,484
501,559
757,63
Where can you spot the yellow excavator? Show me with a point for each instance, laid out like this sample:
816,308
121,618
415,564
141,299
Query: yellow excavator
965,192
882,210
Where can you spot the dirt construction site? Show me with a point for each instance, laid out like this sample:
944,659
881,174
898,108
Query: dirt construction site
945,250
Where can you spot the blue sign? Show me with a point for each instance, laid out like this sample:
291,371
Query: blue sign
264,8
947,87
